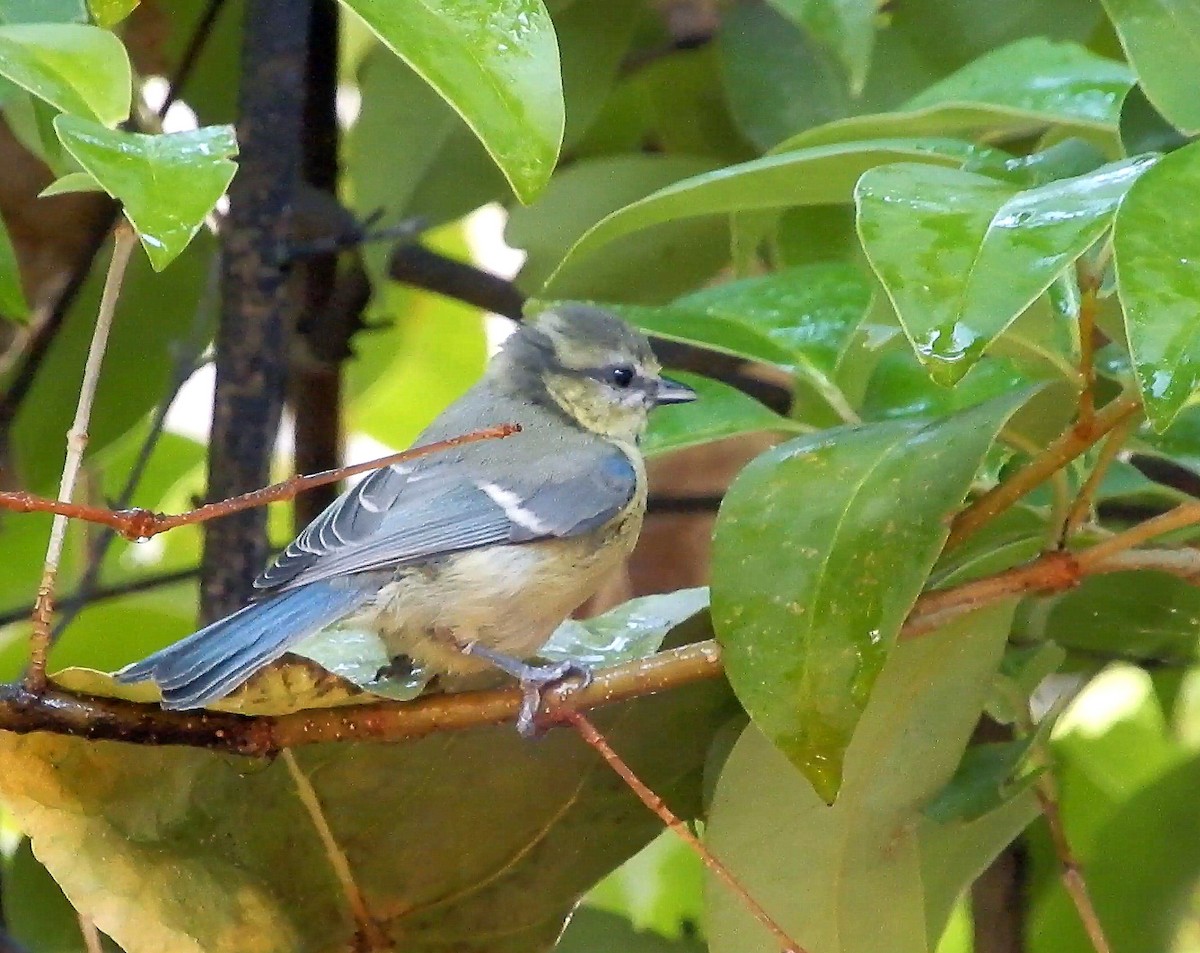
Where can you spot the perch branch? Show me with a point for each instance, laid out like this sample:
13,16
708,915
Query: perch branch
112,719
594,739
137,523
124,242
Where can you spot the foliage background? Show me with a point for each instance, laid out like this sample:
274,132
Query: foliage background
911,244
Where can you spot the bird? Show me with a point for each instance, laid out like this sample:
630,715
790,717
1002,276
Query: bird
465,561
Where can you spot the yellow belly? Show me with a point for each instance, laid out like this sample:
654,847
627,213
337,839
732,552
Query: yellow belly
509,598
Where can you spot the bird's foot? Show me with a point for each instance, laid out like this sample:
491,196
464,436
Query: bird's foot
534,679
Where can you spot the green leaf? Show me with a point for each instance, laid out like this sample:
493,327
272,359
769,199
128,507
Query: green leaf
1144,615
70,183
1161,38
810,311
436,168
108,13
496,64
686,252
661,888
986,779
154,318
83,70
819,176
777,79
593,38
43,11
595,931
36,914
871,872
166,183
861,514
719,411
721,333
170,849
845,26
961,255
13,306
1156,245
632,630
1055,82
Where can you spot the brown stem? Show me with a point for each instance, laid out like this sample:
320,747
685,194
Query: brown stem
1082,506
1184,515
369,930
125,240
588,732
1069,867
1061,452
22,711
138,524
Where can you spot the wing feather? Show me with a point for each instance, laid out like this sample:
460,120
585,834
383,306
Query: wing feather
404,515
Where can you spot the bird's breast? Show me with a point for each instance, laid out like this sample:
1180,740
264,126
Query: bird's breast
510,598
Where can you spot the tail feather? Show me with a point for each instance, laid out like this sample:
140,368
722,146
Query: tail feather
210,663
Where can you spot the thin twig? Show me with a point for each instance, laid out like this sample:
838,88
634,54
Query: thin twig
1069,867
588,732
1184,515
368,928
1081,508
186,362
139,524
1062,451
1089,286
91,936
125,240
191,55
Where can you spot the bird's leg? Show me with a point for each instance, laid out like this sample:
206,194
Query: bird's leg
534,679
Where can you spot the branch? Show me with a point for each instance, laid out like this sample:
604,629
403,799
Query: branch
23,711
1062,451
592,737
124,243
139,524
258,308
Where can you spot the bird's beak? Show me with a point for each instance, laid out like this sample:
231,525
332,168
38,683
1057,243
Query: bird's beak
673,392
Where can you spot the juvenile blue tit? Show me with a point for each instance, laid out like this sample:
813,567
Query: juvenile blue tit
468,559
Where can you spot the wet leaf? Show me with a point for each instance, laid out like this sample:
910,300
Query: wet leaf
1058,82
1156,244
961,255
872,872
495,63
1162,40
818,557
166,183
82,70
817,176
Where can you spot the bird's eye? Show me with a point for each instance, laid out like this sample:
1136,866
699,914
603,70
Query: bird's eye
619,375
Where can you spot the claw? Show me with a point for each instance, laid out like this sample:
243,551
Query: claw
534,679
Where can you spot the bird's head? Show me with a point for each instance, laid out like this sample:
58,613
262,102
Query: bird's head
592,366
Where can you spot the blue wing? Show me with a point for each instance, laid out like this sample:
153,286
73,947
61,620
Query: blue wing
403,515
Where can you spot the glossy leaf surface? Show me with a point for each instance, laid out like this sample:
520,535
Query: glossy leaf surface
961,255
82,70
818,176
166,183
495,63
1156,243
806,636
